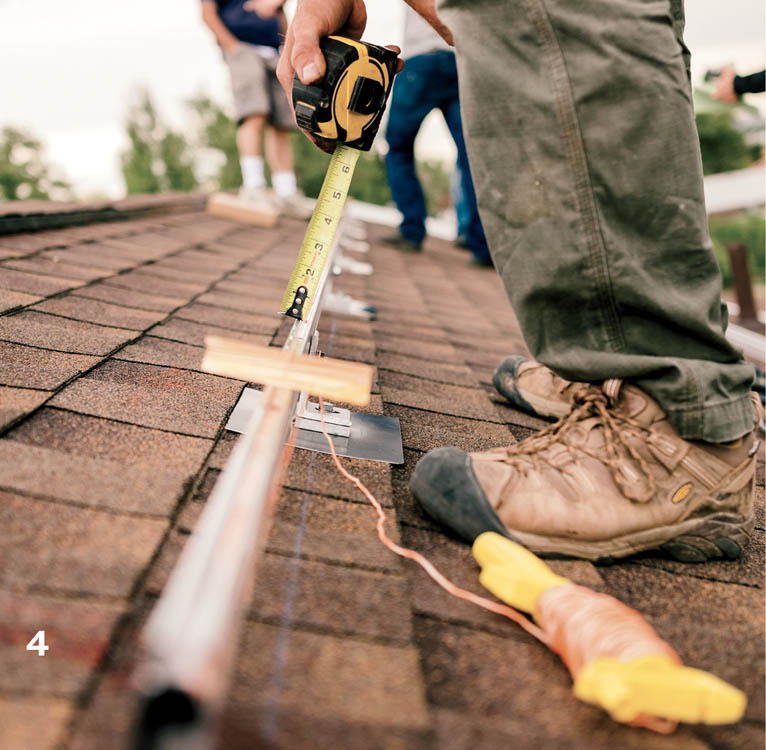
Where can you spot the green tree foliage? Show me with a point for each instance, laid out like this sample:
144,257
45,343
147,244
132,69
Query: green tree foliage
158,158
23,172
216,131
724,148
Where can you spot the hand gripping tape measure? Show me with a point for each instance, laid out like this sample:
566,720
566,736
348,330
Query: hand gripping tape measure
346,106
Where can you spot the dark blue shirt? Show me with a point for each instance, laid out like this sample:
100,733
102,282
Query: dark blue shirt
247,25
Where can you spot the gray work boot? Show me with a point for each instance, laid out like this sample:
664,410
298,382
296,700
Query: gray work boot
533,387
610,479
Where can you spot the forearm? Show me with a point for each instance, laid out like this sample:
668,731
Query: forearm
213,21
427,9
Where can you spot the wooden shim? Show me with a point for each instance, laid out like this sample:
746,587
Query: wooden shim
229,206
329,378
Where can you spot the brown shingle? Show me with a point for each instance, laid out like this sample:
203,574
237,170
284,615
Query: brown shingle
88,481
425,430
443,372
333,599
317,473
20,724
76,633
230,319
14,402
332,531
19,281
156,351
137,448
404,390
62,334
50,267
146,283
326,679
39,368
93,255
10,300
102,313
189,332
74,550
161,397
131,298
264,303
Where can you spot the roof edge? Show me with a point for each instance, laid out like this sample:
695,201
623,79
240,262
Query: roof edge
33,216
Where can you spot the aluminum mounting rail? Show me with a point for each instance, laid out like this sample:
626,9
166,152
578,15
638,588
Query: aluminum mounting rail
191,637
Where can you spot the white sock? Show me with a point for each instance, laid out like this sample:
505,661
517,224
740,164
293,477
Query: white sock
252,171
284,183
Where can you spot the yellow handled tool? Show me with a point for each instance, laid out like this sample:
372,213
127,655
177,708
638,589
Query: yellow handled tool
616,659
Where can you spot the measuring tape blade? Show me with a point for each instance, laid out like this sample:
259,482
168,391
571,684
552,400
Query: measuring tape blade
315,248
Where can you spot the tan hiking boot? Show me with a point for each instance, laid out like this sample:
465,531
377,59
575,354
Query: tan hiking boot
534,388
610,479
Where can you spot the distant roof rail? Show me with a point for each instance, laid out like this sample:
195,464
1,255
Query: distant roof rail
34,216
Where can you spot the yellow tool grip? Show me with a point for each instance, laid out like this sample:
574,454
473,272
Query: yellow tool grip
513,573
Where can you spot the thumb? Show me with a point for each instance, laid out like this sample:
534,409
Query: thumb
306,58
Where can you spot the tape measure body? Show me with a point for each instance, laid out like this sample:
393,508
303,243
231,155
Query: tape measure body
348,103
320,233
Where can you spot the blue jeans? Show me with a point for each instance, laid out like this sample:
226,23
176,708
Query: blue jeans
428,82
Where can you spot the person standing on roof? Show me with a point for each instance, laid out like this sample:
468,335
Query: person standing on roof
249,33
428,82
580,131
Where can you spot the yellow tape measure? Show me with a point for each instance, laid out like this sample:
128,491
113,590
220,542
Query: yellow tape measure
315,248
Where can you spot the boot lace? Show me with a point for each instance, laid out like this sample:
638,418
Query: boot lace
592,401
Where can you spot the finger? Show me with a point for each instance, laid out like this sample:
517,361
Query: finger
306,58
399,63
356,22
285,69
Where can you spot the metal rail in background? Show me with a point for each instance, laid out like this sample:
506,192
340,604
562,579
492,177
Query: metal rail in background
192,634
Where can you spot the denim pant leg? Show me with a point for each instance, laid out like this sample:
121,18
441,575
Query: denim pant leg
474,232
584,153
412,99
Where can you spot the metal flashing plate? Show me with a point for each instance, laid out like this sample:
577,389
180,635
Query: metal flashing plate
371,437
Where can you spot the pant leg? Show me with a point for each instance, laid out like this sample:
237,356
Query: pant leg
458,199
411,100
474,232
586,162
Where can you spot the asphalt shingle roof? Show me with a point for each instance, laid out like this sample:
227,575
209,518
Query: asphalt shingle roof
111,439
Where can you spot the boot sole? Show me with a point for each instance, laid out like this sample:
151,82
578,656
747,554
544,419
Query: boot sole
722,536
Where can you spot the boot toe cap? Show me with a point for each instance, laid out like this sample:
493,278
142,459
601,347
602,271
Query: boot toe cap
445,485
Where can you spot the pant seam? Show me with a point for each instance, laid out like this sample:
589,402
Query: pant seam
577,160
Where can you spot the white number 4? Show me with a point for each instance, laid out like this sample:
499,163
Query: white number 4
38,643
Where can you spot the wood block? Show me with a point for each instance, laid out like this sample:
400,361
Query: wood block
229,206
334,379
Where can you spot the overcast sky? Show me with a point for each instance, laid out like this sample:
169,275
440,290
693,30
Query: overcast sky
68,69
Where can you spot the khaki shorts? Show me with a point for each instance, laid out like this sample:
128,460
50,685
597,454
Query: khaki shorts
256,88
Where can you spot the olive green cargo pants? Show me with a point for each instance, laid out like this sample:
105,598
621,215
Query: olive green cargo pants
585,157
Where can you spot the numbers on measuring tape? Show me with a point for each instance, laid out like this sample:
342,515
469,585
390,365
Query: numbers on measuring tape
38,643
317,243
